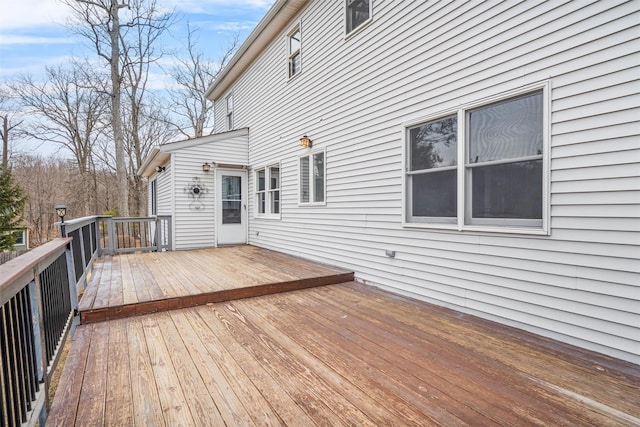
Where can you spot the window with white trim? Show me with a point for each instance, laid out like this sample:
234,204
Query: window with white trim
268,191
229,112
358,12
490,154
312,178
294,42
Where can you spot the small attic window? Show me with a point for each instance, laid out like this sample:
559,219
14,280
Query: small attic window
358,12
294,42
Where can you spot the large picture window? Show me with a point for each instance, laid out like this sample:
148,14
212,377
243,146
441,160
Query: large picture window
501,181
358,12
268,191
312,178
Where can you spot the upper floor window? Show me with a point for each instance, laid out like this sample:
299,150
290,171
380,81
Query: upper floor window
268,191
358,12
495,164
295,43
229,110
312,178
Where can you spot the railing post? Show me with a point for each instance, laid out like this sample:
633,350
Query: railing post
158,235
112,236
39,322
73,287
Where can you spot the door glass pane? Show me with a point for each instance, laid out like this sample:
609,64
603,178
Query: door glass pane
231,199
304,179
433,144
434,194
506,130
318,177
512,190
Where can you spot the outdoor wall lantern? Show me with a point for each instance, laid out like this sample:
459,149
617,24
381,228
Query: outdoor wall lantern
305,142
160,168
61,210
206,167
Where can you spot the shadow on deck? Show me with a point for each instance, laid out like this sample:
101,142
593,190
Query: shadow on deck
133,284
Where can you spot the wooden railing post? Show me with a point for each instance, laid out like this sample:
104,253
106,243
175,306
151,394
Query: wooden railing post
73,287
111,232
158,235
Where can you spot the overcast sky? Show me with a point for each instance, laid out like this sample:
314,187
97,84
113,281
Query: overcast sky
33,33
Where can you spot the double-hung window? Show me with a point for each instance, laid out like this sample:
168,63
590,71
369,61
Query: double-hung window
358,13
268,191
229,112
294,44
479,167
312,178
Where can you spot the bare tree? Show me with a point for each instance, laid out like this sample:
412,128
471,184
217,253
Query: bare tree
193,75
125,43
68,112
9,125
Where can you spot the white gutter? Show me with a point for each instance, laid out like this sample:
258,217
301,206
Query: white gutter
267,29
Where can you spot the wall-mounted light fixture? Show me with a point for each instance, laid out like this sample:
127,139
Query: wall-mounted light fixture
305,142
160,168
206,167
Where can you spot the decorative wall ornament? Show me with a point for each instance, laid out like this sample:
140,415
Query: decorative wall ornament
196,191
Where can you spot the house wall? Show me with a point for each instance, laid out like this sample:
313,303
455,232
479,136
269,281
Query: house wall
194,223
580,284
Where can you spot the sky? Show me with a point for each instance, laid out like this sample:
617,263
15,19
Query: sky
33,33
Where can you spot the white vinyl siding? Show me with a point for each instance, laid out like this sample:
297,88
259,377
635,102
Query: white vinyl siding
579,284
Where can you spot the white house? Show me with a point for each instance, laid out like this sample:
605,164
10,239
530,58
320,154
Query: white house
482,156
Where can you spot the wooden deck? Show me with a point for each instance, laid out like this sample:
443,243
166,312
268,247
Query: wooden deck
344,354
134,284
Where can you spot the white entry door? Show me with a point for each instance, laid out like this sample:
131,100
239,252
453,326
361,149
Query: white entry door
231,207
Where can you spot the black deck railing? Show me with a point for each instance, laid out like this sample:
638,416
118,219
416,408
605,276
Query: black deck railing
38,297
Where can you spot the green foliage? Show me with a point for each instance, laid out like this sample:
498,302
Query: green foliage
12,202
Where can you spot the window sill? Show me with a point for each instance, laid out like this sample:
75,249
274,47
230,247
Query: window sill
478,229
295,76
304,205
358,29
269,217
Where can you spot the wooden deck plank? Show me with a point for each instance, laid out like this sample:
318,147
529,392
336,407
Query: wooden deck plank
65,403
520,351
201,405
89,295
116,293
128,287
484,397
94,385
234,361
282,332
119,408
313,392
469,340
215,382
145,400
337,355
172,399
103,290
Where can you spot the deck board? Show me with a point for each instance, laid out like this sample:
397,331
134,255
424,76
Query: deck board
141,283
336,355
